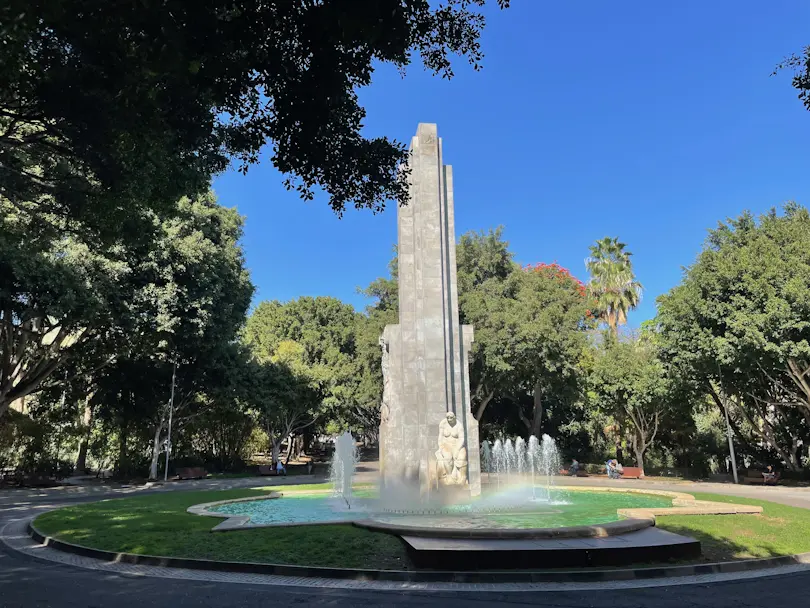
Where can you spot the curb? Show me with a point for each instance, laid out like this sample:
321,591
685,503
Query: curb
412,576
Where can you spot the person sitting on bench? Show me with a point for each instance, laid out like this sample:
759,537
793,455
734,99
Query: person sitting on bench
769,475
574,468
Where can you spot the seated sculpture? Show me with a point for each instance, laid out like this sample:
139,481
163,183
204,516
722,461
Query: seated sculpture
451,457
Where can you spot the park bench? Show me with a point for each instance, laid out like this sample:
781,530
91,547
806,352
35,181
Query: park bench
266,469
754,476
191,473
632,473
579,473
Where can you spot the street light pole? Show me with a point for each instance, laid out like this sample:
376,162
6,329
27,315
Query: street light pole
171,412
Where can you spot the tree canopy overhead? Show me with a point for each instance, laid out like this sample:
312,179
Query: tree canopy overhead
119,104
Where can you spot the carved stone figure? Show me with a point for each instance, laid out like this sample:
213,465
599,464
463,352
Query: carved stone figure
451,457
384,406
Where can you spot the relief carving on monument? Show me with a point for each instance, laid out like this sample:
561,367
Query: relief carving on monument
386,395
451,457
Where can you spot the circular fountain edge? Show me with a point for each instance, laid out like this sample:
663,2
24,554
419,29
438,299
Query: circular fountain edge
613,528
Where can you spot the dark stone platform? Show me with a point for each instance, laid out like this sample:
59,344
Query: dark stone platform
648,545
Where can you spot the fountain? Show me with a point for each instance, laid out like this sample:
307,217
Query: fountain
498,460
550,461
533,453
520,451
515,506
430,451
341,470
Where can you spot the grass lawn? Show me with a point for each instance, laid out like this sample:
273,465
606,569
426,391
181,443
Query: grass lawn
780,530
159,525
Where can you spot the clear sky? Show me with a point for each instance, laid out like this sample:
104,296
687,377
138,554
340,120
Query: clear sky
649,121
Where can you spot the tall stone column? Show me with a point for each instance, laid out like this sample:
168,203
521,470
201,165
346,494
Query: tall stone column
427,430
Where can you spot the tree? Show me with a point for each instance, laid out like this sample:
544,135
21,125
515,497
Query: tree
628,383
485,266
613,285
553,316
800,63
62,298
58,297
737,327
315,338
106,107
287,395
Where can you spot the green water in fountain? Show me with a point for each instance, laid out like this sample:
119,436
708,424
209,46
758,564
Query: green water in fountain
580,508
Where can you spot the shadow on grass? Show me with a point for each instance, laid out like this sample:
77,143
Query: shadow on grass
159,525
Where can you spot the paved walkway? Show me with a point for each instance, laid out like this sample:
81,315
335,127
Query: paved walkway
794,497
31,575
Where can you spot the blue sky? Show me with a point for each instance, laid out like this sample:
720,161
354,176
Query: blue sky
644,120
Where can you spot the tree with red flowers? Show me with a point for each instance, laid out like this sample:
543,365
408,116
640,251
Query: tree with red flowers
553,310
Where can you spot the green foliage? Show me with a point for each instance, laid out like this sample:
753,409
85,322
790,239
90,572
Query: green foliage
738,327
629,385
800,63
529,325
106,107
314,338
64,296
613,285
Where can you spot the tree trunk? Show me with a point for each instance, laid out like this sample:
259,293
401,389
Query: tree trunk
290,441
81,459
639,444
153,468
640,459
122,448
479,411
537,414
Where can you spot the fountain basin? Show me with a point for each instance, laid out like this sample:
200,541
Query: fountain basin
574,513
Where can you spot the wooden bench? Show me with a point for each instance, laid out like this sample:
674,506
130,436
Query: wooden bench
191,473
754,476
579,473
632,473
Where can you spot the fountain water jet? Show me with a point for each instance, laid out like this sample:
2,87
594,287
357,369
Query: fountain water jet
511,459
533,453
520,452
498,460
550,459
341,470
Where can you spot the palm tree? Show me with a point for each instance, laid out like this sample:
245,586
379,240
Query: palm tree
612,285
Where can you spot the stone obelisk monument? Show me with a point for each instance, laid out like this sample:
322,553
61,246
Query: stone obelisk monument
428,434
